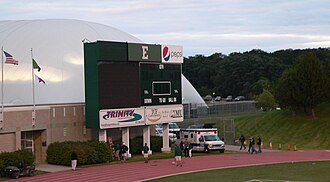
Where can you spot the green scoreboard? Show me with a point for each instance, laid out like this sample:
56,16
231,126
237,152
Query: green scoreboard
130,75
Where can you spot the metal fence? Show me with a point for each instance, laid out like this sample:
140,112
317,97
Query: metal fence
218,109
219,114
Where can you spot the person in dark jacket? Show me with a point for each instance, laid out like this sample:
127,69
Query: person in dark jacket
242,140
74,159
186,148
251,145
117,151
190,149
145,152
259,144
123,151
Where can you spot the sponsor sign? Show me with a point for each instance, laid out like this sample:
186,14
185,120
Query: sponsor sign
163,114
116,118
172,54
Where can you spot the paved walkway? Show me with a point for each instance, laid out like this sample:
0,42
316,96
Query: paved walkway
139,171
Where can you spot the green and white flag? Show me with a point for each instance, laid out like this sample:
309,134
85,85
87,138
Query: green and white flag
35,65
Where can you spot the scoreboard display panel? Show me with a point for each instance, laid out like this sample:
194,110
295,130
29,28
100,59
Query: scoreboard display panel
160,84
118,85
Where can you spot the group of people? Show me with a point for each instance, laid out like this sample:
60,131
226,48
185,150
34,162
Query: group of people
119,151
184,149
252,144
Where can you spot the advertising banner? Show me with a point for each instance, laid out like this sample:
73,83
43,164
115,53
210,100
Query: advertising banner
163,114
172,54
116,118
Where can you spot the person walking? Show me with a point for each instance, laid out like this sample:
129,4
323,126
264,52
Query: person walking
251,145
186,148
117,151
123,151
145,152
190,149
111,147
74,159
242,140
259,144
178,154
182,146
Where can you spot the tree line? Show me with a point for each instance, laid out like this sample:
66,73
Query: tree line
293,79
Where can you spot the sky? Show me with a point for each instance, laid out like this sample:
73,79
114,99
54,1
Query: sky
201,27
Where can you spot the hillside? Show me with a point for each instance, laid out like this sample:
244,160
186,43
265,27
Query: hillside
280,127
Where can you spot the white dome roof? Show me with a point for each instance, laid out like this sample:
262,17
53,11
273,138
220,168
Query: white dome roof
58,49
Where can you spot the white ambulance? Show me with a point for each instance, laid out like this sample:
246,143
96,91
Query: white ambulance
203,139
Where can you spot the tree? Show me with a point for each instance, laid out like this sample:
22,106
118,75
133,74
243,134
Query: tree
312,81
327,73
287,89
304,85
266,100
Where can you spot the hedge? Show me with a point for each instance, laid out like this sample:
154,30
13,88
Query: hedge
92,152
15,158
89,152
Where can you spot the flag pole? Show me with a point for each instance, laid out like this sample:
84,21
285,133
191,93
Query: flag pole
1,116
33,94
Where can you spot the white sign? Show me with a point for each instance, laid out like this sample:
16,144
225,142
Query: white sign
172,54
116,118
163,114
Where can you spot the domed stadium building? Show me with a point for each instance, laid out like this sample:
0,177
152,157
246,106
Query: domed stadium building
56,92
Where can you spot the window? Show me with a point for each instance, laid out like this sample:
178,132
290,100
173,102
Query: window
211,138
161,88
27,140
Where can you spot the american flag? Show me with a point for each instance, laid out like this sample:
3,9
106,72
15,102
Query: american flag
10,59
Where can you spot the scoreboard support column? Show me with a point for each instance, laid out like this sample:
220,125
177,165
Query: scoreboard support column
166,147
103,135
146,137
125,139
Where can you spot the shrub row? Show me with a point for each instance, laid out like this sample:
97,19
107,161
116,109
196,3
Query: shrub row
89,152
16,158
92,152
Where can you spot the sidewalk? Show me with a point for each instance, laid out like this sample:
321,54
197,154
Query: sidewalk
51,168
236,148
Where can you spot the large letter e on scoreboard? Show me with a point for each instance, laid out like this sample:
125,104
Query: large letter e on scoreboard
144,52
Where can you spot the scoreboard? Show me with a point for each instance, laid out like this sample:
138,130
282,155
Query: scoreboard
120,75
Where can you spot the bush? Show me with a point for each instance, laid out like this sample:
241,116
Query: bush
156,143
25,156
90,152
16,158
2,164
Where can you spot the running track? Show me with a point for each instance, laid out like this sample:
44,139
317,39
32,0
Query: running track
139,171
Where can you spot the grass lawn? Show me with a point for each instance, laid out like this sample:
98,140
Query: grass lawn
277,127
300,171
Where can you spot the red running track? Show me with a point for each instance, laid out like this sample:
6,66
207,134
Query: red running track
139,171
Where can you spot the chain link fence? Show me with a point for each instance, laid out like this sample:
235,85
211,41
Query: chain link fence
218,115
